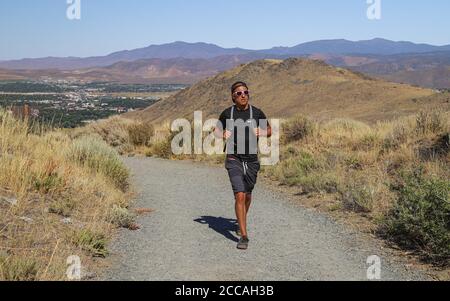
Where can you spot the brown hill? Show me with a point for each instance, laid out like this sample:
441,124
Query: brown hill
176,70
429,70
285,88
433,78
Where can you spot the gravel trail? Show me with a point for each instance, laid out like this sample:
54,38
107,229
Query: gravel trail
190,235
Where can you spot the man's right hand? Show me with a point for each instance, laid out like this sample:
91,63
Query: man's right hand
227,135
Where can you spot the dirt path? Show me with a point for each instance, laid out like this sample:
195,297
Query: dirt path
190,235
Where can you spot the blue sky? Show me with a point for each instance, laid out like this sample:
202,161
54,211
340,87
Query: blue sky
40,28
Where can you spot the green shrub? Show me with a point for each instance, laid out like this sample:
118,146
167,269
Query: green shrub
357,194
318,182
14,268
420,219
90,241
307,171
95,154
114,131
47,183
121,217
63,207
292,169
353,162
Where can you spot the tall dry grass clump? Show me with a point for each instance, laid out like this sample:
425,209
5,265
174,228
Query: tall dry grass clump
57,196
125,135
298,128
160,145
140,133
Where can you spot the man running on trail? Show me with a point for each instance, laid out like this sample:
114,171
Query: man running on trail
241,125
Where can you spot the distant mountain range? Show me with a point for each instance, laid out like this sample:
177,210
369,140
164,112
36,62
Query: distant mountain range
207,51
166,51
375,46
182,62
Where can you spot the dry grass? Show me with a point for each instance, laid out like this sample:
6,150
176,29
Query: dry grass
125,135
354,150
360,164
54,191
140,133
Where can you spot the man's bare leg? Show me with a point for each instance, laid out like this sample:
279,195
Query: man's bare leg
248,202
241,212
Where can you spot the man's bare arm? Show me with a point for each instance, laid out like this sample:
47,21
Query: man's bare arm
264,133
220,134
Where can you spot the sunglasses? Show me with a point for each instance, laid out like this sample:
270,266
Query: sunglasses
240,93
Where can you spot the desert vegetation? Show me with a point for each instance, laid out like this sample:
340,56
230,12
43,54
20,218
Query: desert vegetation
59,196
394,173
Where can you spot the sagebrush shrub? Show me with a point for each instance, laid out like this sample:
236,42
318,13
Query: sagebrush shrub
297,128
420,219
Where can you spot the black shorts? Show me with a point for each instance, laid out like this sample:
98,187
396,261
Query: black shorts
242,174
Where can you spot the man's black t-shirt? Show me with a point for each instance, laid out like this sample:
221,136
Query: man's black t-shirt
244,116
